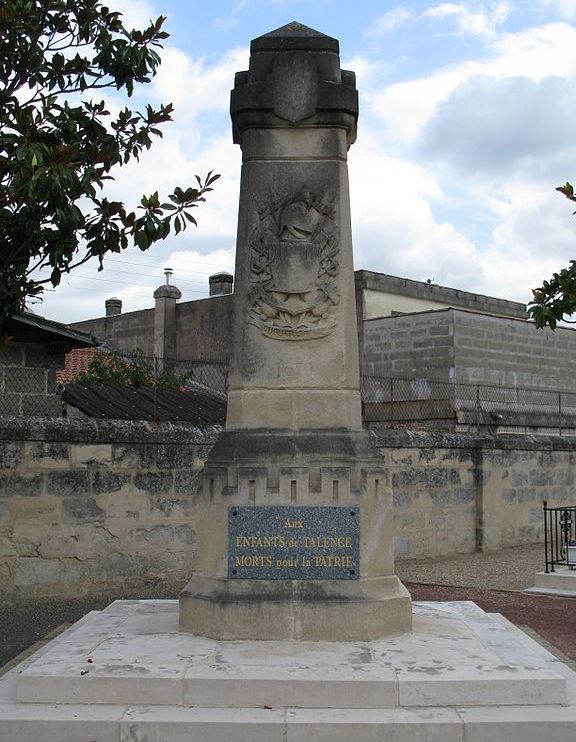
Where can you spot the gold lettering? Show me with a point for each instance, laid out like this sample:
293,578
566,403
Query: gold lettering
252,542
332,561
289,523
253,560
328,542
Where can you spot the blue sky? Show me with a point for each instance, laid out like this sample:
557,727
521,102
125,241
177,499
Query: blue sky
466,127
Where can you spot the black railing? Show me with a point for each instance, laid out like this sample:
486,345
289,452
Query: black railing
559,536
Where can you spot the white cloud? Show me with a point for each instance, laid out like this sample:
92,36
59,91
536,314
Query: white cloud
394,227
197,86
137,13
536,53
193,143
389,21
133,277
565,9
369,73
483,23
499,126
512,231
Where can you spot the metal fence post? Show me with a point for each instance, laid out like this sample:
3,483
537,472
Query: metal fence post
545,508
478,409
156,418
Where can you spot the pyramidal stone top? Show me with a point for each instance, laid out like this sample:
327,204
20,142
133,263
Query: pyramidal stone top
295,36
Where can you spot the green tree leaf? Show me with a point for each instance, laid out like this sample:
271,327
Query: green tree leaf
58,145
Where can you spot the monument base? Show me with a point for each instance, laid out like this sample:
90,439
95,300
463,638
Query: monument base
294,537
303,610
127,674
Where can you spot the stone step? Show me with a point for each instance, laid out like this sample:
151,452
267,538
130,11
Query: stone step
461,676
561,582
132,653
104,723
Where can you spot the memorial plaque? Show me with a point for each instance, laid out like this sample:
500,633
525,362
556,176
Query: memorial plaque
293,543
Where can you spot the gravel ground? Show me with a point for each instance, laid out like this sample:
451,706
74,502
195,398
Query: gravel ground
509,569
494,581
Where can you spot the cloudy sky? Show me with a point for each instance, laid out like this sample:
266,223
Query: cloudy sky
466,127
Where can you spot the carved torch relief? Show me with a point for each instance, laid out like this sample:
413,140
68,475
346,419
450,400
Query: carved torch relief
294,266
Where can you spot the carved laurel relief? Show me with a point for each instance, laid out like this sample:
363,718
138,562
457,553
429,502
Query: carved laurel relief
294,267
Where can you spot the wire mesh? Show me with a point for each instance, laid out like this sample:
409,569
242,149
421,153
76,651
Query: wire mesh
448,404
393,401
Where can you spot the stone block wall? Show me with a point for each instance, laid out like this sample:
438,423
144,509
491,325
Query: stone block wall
434,497
203,330
409,346
123,332
461,493
91,506
508,352
490,372
88,506
469,347
28,380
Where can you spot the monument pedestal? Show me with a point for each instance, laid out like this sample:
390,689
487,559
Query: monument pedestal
294,531
294,541
127,674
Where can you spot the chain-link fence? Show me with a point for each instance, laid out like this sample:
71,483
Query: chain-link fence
455,405
138,370
33,389
139,387
126,386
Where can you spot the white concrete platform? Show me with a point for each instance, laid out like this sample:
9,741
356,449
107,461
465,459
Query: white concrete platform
126,674
561,582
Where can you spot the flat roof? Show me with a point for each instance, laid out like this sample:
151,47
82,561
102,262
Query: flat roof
443,294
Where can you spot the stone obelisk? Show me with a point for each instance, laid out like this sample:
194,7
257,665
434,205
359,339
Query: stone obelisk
294,519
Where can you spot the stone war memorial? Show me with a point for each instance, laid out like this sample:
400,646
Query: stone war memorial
293,625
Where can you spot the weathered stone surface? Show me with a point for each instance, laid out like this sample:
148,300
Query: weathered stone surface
92,525
82,510
67,483
109,481
54,452
87,455
294,373
295,353
10,455
155,535
155,482
18,485
186,482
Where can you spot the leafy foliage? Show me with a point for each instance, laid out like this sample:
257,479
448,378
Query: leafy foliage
555,300
58,147
135,370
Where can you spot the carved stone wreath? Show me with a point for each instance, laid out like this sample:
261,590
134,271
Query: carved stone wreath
294,267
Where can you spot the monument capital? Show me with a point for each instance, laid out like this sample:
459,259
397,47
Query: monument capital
294,79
